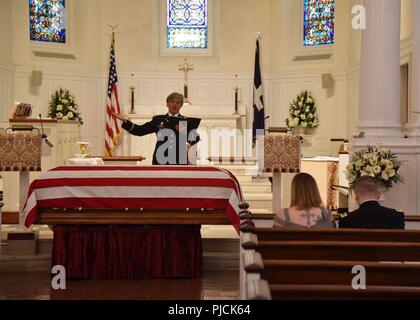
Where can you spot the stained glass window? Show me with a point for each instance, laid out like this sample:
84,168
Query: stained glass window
318,26
47,20
186,24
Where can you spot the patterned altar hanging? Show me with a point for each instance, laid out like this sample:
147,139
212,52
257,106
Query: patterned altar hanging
20,152
281,153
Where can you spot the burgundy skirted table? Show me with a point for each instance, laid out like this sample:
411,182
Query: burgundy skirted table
128,251
132,222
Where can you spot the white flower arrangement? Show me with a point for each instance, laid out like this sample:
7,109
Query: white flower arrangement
378,163
63,106
302,112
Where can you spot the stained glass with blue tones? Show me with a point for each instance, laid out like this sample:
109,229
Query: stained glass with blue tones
186,24
318,27
47,20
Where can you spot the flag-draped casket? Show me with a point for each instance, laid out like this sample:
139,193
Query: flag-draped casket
183,195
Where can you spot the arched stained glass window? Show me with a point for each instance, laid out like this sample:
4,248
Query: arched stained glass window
318,25
47,20
186,24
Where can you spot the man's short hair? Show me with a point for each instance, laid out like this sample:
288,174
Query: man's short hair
175,95
367,185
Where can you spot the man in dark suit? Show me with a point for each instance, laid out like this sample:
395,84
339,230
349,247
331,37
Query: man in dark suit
370,213
173,139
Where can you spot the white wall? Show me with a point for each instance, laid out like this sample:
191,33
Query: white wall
6,92
212,81
84,23
6,67
331,104
6,33
406,18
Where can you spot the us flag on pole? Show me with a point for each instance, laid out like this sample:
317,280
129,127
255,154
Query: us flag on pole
112,128
258,103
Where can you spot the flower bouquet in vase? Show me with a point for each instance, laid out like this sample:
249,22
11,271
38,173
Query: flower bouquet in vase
303,118
63,106
379,163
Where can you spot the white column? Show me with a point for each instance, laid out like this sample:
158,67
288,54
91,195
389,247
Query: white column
379,105
414,116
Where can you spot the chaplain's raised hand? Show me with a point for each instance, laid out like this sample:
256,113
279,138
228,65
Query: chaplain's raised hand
119,116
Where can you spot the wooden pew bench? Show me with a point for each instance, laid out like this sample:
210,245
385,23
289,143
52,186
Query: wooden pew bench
266,220
338,250
317,264
289,266
301,272
326,279
314,279
367,235
340,292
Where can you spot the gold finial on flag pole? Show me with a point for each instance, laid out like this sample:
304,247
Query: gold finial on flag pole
113,28
258,35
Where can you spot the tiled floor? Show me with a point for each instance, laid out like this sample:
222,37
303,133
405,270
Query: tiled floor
215,285
26,283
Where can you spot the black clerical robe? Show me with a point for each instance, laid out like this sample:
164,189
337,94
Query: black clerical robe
171,145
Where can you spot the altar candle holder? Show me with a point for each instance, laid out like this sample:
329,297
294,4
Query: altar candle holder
236,88
132,89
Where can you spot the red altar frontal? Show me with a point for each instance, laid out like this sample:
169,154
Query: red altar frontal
131,222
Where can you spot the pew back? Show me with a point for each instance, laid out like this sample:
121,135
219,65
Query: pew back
338,292
338,250
316,272
374,235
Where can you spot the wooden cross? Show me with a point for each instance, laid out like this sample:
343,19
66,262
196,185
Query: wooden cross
186,67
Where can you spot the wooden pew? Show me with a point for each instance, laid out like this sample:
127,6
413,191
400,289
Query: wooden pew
301,272
270,216
314,279
337,250
365,235
317,264
338,292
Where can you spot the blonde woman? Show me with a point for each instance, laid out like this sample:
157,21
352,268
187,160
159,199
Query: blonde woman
306,209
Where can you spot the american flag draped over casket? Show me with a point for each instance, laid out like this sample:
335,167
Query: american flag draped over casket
136,187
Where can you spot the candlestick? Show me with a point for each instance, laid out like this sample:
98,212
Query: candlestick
236,88
132,89
132,100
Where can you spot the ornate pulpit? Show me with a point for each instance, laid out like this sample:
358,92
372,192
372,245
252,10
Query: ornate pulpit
21,152
279,154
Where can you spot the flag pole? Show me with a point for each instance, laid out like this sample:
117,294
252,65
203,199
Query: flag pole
113,28
258,100
113,132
